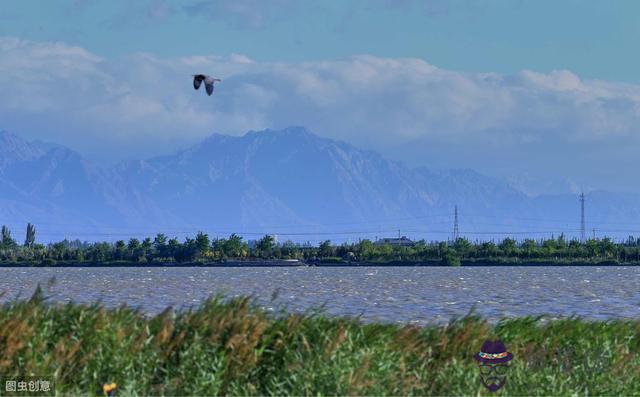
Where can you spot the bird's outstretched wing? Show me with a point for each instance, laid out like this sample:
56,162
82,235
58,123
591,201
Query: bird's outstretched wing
209,82
197,80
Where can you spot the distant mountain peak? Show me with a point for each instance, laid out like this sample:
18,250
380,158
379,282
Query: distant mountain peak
294,129
13,147
288,131
291,132
281,179
6,137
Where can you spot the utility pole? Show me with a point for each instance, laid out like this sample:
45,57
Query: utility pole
582,227
456,231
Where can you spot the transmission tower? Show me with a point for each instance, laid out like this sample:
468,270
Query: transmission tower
582,227
456,231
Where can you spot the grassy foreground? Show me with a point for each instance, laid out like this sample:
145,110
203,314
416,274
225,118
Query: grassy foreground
233,347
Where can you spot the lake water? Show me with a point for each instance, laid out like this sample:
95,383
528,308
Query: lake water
418,295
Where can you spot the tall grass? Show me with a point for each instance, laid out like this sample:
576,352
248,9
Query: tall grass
232,347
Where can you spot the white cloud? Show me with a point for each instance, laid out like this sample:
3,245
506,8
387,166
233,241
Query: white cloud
159,9
251,14
143,104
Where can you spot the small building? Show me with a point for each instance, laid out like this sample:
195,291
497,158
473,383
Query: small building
395,241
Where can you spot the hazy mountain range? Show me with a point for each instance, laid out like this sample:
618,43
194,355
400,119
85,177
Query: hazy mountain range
291,183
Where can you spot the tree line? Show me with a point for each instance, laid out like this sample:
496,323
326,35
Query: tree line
204,249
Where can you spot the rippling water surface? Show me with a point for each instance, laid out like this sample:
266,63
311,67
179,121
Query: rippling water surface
417,295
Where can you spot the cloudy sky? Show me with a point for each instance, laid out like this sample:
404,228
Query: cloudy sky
544,93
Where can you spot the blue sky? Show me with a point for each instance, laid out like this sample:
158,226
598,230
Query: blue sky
543,93
594,39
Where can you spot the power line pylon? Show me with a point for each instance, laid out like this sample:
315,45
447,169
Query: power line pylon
456,231
582,226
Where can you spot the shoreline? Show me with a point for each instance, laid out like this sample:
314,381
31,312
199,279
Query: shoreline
315,263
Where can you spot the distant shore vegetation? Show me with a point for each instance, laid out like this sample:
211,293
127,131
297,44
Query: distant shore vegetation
201,249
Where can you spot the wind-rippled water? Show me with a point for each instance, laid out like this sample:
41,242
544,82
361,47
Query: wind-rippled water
418,295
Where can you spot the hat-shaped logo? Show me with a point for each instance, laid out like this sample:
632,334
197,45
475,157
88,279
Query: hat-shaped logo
493,360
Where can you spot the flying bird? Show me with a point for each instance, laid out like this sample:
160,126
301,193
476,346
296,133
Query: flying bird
208,82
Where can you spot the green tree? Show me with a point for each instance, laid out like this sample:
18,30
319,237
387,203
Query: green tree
443,249
325,249
508,246
58,250
133,245
290,250
462,246
561,242
173,248
265,246
202,244
529,247
135,249
100,252
364,249
607,248
549,247
7,241
592,247
450,259
160,245
234,247
146,246
575,249
30,238
189,250
120,249
219,248
384,251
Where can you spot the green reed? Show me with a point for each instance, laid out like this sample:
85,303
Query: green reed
232,347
